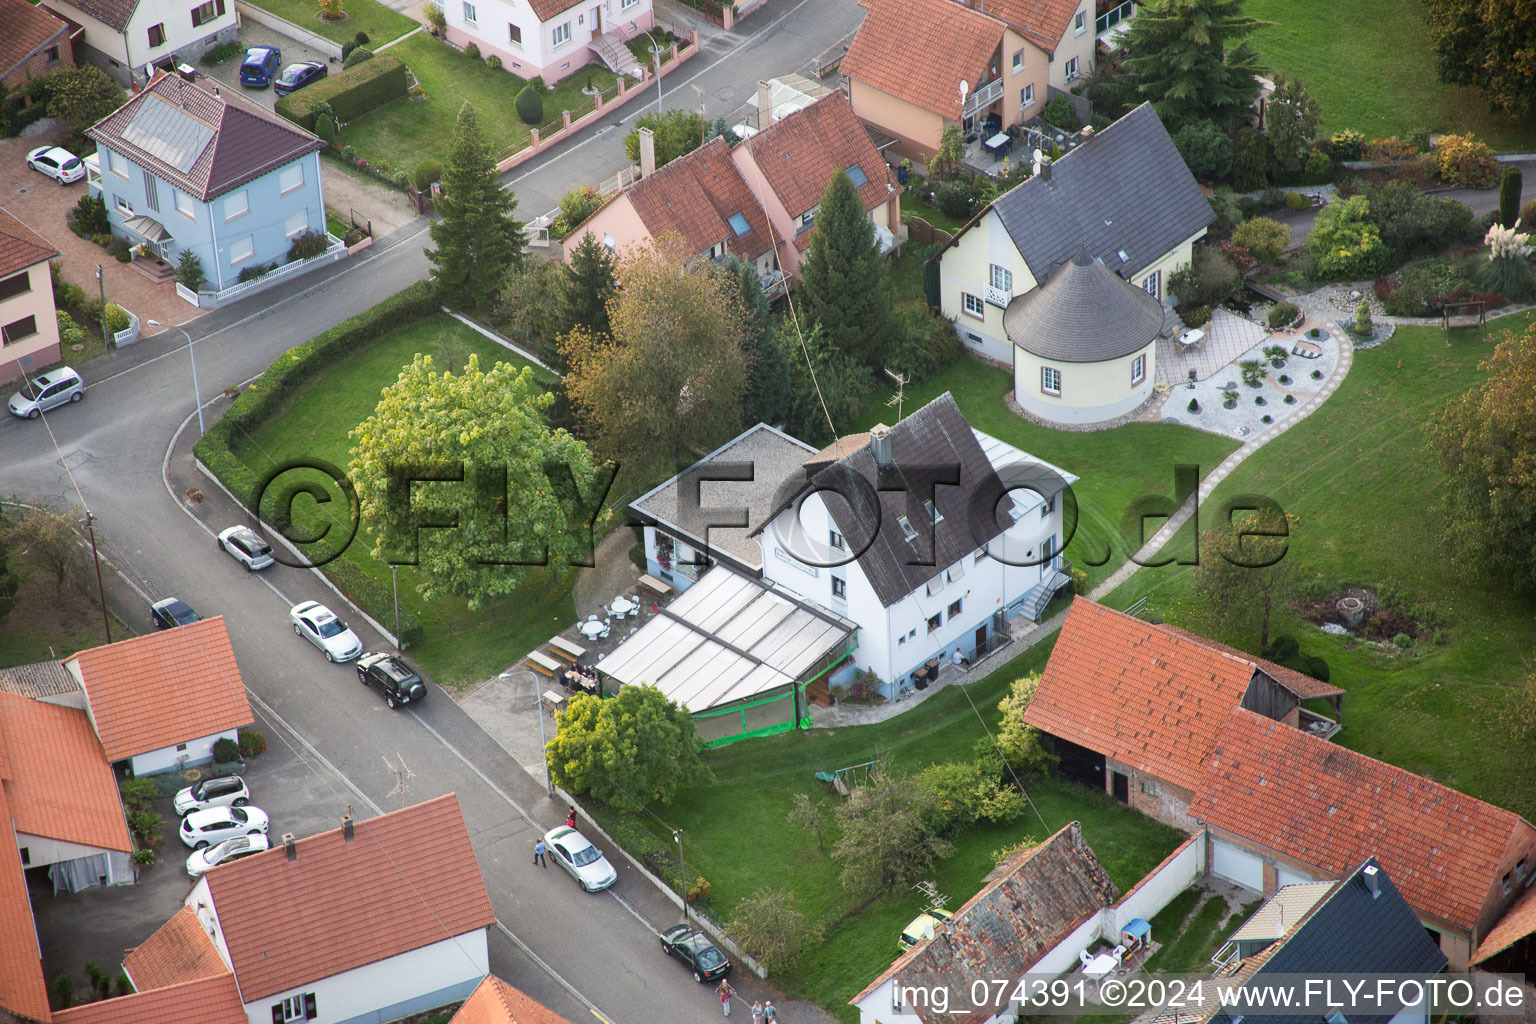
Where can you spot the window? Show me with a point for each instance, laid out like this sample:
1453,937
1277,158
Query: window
857,176
241,250
901,641
296,224
51,54
973,305
123,205
469,13
936,584
933,513
236,204
954,608
18,329
1026,97
290,178
1071,69
16,284
717,251
1080,23
978,556
1148,787
934,623
181,748
157,35
835,539
610,243
151,192
26,855
515,34
183,203
625,5
1018,61
807,218
738,223
839,588
1050,380
1002,278
911,634
1152,285
562,34
1503,884
906,528
1048,507
294,1008
205,13
1138,369
116,165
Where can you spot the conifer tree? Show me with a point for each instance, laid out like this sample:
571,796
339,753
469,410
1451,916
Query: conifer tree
589,285
477,238
1190,58
845,283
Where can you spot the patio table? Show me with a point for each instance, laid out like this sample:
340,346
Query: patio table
1190,339
623,606
592,630
998,144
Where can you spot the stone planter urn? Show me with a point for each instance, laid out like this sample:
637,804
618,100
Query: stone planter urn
1351,611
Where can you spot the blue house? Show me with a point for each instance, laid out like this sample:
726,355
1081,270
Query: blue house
183,168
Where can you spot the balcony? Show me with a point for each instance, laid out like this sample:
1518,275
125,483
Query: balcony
999,297
983,97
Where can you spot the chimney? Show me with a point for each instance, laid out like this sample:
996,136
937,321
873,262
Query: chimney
1045,168
764,105
647,152
1372,876
288,844
346,827
1087,132
880,445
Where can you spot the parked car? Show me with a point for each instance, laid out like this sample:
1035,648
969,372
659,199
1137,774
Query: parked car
297,76
922,926
319,625
228,850
247,547
225,791
259,66
173,612
391,676
47,391
693,948
202,829
59,164
585,862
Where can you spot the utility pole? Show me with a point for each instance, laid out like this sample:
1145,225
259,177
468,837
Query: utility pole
682,871
394,571
101,286
549,783
101,592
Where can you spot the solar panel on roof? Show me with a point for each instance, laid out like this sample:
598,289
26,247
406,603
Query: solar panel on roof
166,133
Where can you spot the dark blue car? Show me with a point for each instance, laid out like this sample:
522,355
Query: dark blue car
297,76
260,65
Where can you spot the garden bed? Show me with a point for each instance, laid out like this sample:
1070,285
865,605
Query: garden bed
380,23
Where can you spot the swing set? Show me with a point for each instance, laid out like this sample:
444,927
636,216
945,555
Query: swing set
844,779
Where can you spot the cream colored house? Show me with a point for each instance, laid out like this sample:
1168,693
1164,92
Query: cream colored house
131,39
1125,199
29,327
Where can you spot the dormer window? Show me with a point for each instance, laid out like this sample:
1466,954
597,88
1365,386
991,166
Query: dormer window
808,218
717,251
738,223
906,528
933,513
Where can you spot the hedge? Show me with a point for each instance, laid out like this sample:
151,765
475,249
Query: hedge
352,92
270,392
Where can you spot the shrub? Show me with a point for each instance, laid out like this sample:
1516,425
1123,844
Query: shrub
359,55
117,318
1259,400
226,749
349,154
529,105
1209,280
252,743
1344,244
956,198
119,249
1383,152
1284,379
1466,162
221,53
1295,201
575,206
1426,281
1229,399
347,94
1251,161
325,128
63,989
1290,399
699,891
1194,405
1317,374
1266,418
1509,196
103,239
361,38
1345,145
308,245
146,825
1253,372
923,343
346,50
69,296
1318,168
1265,239
1412,223
427,172
493,62
137,794
1402,641
1282,315
1272,199
70,333
189,271
143,858
1363,318
1528,215
255,272
88,217
1059,112
1196,316
1206,149
472,51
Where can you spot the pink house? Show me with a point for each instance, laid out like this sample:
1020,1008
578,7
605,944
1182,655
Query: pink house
551,39
28,324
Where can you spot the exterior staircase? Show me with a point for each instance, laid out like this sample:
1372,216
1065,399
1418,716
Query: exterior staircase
610,49
1040,596
158,271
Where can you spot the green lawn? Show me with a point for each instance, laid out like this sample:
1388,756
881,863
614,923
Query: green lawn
461,647
381,23
735,833
911,204
48,623
1371,66
1364,483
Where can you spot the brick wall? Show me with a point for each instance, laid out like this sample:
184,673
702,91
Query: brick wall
1156,798
39,65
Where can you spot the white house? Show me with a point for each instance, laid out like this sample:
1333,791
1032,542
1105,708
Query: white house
131,39
551,39
160,701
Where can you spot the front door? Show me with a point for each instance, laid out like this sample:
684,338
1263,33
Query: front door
981,641
597,21
1122,784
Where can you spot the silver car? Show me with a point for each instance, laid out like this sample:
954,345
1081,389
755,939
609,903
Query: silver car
230,849
49,391
246,547
586,863
225,791
319,625
202,829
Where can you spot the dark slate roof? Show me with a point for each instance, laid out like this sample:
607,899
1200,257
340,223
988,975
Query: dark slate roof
1126,188
113,12
1083,314
204,143
1349,932
927,448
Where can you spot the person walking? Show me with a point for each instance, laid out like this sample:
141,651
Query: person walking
538,853
757,1012
570,818
726,992
770,1015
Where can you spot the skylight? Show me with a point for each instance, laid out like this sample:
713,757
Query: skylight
906,528
738,224
857,176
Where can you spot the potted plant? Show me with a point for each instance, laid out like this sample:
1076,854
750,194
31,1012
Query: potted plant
1229,399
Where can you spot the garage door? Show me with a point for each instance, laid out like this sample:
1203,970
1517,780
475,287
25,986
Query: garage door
1285,876
1237,865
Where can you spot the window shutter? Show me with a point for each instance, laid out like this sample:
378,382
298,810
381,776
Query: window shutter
277,1014
309,997
197,16
219,7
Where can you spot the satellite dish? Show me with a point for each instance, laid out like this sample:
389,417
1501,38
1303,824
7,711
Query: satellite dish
1038,155
965,88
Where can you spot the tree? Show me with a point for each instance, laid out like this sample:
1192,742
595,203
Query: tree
1020,744
672,378
678,133
845,283
1344,244
1290,121
575,206
824,382
805,814
628,751
517,489
770,927
767,398
1487,44
589,285
82,95
10,583
477,238
947,159
1246,571
1509,196
1192,60
1264,238
1251,160
531,307
1206,149
51,541
887,842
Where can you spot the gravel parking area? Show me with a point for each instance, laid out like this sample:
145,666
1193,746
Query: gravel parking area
227,74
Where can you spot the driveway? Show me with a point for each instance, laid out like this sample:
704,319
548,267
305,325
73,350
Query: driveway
227,74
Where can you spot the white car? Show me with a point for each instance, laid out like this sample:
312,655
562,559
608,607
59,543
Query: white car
586,863
319,625
202,829
228,850
226,791
59,164
247,547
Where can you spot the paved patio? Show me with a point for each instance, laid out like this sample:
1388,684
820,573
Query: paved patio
1227,337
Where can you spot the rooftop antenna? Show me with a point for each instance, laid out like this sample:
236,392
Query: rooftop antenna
896,399
936,899
402,774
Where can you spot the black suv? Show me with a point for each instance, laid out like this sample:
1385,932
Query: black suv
397,681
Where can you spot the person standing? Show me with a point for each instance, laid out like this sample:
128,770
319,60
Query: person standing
538,853
726,992
757,1012
570,818
770,1015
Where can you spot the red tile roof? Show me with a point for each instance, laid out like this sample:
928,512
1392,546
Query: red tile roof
59,783
407,879
20,246
22,989
1303,686
546,9
496,1002
799,154
247,139
1148,697
921,50
1042,22
1331,808
27,30
1518,922
206,1001
168,687
695,196
179,951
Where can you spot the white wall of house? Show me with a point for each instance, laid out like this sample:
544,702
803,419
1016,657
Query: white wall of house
1089,392
1077,43
679,569
42,851
1167,265
966,269
198,751
550,49
126,54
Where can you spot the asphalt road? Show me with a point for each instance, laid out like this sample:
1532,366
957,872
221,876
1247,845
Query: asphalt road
127,451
